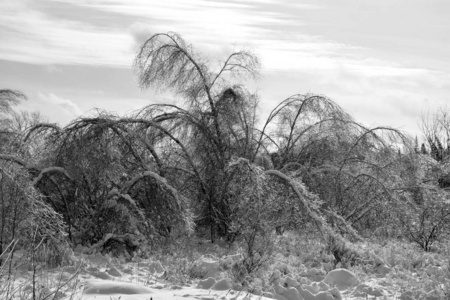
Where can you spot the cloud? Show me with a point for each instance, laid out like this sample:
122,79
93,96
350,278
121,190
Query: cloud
317,47
36,33
59,109
140,33
56,108
34,36
64,104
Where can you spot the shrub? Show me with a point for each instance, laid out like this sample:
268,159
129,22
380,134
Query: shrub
26,217
428,222
252,210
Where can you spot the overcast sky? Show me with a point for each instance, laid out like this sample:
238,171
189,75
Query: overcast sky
384,61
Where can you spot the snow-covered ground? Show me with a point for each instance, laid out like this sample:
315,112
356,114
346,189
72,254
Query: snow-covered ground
147,280
95,276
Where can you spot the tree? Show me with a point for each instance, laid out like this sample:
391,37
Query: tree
103,176
218,121
348,165
309,137
423,149
436,129
416,145
8,99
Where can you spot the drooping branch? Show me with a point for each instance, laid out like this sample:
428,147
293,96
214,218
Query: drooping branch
9,98
34,170
309,111
242,61
41,127
165,61
171,136
180,201
301,193
315,215
51,170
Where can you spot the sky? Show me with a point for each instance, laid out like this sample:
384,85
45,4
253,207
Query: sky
386,62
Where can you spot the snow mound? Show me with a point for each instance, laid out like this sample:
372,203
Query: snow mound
317,287
207,283
210,265
291,294
291,282
114,287
332,294
314,274
222,285
97,259
114,272
101,275
363,290
228,261
154,267
343,279
290,289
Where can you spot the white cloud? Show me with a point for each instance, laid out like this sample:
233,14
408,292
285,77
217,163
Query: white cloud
58,109
342,69
29,35
66,105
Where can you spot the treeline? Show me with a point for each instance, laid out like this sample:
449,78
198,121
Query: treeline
206,164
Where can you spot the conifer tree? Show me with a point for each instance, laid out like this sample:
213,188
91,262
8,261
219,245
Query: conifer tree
423,149
440,149
416,145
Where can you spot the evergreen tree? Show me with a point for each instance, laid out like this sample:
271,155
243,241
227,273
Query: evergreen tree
416,145
439,149
423,149
433,149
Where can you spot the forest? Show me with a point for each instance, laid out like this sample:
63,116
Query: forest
206,172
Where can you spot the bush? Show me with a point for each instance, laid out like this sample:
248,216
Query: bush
26,218
429,222
252,212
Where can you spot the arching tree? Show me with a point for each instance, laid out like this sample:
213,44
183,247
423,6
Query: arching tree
219,117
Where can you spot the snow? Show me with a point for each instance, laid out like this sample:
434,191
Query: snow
222,285
106,287
207,283
341,278
210,265
116,283
105,278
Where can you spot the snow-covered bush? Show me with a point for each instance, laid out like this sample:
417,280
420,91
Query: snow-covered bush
428,222
423,209
98,175
252,211
28,219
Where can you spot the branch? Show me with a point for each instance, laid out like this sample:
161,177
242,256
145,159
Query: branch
303,194
51,170
14,159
